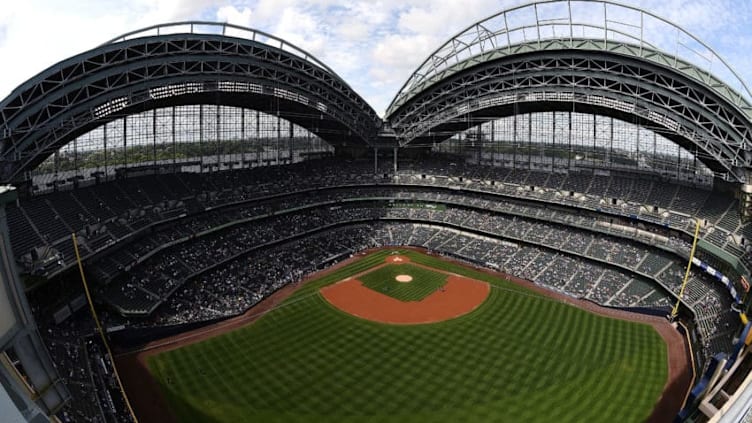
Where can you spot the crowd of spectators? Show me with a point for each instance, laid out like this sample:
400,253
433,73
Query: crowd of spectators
196,247
576,266
239,283
79,357
105,214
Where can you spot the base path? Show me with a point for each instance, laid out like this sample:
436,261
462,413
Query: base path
458,296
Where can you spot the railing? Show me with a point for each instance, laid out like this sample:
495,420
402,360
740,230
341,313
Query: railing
224,29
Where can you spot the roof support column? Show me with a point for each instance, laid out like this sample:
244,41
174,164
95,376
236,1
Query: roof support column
125,143
290,138
745,199
243,140
279,135
395,160
104,147
569,140
154,140
201,137
217,135
174,143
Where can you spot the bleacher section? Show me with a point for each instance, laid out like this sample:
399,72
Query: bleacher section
580,271
560,230
133,203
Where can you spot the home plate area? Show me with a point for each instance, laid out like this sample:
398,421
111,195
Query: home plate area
400,292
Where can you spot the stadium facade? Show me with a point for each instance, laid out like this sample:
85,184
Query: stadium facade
596,129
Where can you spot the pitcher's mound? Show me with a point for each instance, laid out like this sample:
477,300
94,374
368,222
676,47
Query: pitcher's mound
403,278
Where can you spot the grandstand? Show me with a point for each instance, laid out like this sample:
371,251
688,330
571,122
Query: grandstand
582,165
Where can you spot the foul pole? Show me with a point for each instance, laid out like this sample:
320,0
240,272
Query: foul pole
99,328
675,311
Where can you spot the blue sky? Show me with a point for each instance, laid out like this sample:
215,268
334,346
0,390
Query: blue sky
374,45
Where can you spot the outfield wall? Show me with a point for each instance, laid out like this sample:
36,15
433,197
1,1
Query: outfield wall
134,338
659,311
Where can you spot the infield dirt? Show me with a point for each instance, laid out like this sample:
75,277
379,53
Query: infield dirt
457,297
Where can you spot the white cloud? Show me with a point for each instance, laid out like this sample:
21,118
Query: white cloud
400,53
3,34
234,16
353,30
268,11
170,10
303,30
446,17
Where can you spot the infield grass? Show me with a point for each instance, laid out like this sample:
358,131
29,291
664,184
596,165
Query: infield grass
519,357
424,282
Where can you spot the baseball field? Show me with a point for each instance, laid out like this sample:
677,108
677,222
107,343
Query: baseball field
402,336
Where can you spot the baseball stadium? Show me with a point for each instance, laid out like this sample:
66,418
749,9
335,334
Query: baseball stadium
204,222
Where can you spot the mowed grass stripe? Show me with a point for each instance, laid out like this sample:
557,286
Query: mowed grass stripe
518,357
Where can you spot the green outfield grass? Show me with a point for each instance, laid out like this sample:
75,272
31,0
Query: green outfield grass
424,282
519,357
